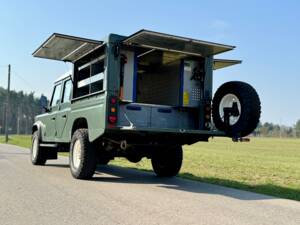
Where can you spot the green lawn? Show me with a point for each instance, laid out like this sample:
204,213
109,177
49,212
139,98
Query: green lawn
264,165
20,140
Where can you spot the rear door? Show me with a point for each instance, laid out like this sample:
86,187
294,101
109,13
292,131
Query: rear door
64,109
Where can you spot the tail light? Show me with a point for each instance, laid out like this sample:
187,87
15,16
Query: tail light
112,119
113,100
113,112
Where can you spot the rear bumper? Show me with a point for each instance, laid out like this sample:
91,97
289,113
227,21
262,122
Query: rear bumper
173,131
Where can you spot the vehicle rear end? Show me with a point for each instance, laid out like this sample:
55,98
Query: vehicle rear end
161,94
146,95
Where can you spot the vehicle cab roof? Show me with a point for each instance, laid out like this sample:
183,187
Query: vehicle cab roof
63,76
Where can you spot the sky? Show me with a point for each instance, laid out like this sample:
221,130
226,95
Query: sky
266,33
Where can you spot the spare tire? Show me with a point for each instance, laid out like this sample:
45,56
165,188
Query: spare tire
248,104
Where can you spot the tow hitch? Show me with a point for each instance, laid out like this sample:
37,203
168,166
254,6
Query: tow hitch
232,111
228,112
240,139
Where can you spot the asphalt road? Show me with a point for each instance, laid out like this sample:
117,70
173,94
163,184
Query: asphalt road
49,195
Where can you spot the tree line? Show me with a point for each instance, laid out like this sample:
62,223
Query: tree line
21,111
275,130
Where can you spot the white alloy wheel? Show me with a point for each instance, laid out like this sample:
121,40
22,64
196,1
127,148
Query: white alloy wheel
76,156
227,101
35,146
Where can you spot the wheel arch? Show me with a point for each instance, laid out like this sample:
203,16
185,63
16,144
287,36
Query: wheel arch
78,123
37,126
94,131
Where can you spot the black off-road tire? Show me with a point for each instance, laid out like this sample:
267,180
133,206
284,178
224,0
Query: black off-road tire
167,162
37,156
88,160
249,113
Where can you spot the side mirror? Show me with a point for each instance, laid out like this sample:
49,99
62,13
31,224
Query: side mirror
44,104
46,109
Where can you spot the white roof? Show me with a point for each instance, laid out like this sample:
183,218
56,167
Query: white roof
65,75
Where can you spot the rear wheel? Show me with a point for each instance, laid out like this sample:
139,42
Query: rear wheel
37,155
82,155
167,162
248,104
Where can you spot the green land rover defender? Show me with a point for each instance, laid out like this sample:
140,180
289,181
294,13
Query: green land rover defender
143,95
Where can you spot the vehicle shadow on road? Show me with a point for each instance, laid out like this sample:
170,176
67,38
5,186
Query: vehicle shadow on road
200,185
115,174
58,165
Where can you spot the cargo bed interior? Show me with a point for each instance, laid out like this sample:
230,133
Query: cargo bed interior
158,78
153,91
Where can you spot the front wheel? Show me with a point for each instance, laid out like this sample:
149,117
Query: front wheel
82,155
167,162
37,155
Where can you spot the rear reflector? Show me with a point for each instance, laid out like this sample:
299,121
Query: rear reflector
113,100
112,119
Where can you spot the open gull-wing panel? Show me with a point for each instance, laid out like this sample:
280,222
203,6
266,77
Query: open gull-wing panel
155,40
222,63
65,48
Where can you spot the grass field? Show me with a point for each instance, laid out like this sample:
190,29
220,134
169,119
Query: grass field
264,165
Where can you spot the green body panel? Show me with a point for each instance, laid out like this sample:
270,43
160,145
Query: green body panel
62,116
47,125
113,64
94,108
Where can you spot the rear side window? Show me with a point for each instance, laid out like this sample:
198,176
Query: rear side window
67,91
97,75
56,95
90,77
89,73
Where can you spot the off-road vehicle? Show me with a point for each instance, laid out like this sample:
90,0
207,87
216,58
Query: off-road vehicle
143,95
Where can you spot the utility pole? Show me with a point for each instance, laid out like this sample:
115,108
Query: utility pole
3,118
18,121
7,105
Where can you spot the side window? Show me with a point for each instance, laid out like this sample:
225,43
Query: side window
89,75
56,95
67,91
97,76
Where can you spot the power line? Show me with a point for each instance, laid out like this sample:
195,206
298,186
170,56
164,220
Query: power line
26,82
